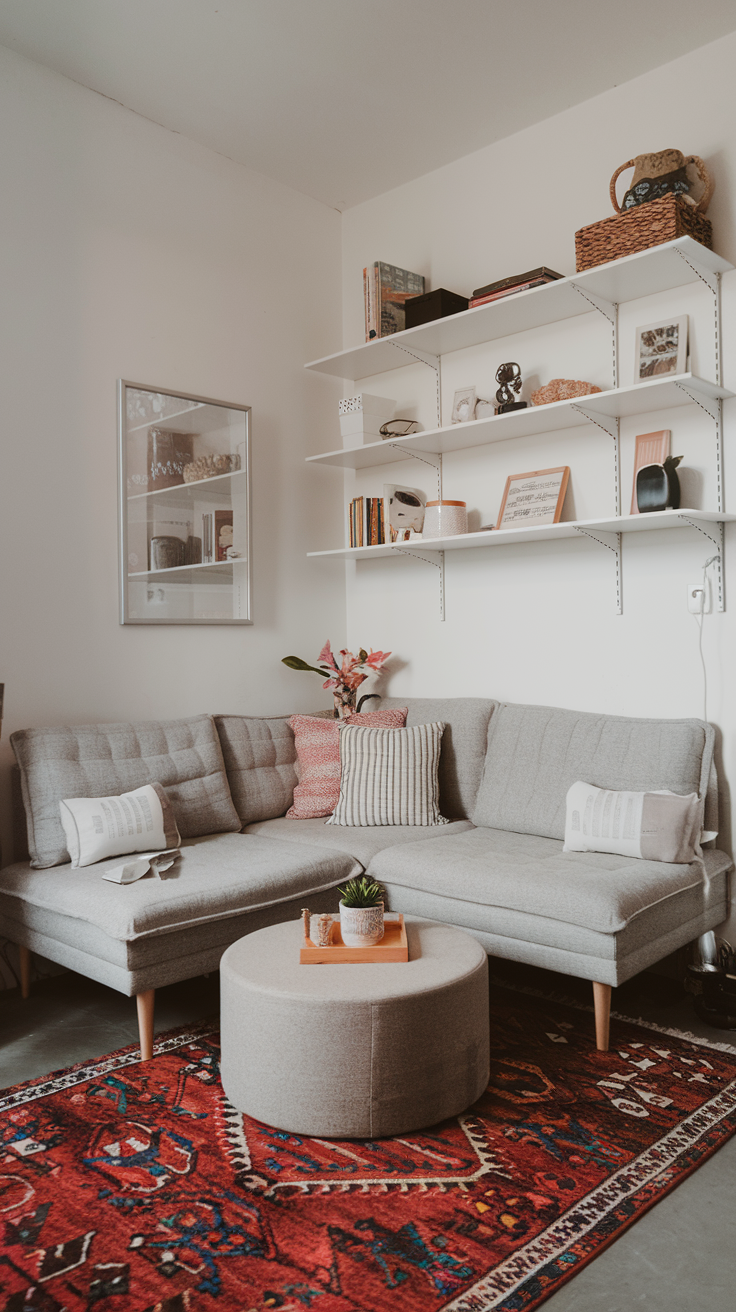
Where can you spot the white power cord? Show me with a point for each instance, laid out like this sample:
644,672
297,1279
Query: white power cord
699,621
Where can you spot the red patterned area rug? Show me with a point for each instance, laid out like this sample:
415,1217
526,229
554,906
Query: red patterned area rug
133,1186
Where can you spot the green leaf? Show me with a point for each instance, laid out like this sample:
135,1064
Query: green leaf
362,892
295,663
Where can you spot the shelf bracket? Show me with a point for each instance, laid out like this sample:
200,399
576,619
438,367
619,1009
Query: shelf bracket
612,542
609,424
713,281
427,458
609,310
436,558
717,542
424,357
712,406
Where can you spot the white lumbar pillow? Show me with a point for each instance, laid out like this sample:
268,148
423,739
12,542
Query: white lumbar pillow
656,826
100,827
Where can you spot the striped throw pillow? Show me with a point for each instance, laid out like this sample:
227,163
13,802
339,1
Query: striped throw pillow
389,776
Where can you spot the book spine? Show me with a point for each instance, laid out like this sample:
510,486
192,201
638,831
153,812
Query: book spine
208,532
374,329
369,521
367,303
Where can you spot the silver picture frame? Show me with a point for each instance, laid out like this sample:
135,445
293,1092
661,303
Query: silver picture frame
184,507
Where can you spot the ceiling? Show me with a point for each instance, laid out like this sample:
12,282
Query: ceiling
345,99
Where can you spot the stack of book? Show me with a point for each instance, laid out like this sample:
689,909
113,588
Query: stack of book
366,522
385,290
519,282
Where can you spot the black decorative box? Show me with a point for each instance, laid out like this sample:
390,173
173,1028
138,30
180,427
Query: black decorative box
433,305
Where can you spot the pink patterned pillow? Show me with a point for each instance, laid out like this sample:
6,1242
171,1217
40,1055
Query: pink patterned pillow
318,758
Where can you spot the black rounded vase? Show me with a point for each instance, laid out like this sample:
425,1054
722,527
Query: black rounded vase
658,486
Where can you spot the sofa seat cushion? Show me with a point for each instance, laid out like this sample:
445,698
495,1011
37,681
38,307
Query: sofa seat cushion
216,877
535,753
522,872
360,843
105,760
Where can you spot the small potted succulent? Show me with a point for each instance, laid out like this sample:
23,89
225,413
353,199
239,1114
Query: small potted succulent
361,912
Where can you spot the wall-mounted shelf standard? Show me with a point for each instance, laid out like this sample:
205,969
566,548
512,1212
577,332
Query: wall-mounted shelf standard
656,270
618,403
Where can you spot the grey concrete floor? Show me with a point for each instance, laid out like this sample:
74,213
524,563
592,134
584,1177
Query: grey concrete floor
680,1256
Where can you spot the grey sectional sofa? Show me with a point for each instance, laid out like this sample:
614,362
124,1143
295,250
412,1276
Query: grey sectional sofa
497,870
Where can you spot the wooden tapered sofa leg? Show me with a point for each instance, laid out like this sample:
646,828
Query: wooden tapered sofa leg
602,1004
144,1003
25,972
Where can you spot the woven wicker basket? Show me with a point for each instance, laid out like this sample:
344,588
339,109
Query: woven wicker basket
646,225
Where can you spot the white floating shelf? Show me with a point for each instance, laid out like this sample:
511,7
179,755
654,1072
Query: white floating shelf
655,270
656,394
663,519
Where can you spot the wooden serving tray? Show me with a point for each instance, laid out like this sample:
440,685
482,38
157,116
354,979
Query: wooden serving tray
393,947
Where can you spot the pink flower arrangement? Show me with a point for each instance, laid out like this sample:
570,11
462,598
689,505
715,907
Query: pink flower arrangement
342,679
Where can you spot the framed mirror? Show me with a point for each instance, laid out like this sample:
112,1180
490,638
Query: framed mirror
184,508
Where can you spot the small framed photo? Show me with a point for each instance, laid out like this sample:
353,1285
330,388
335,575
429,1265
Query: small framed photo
661,349
404,512
534,498
463,406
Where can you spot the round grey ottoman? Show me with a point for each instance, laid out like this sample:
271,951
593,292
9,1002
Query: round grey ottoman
354,1051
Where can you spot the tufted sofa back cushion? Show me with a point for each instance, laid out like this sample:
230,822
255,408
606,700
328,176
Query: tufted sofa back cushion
260,759
104,760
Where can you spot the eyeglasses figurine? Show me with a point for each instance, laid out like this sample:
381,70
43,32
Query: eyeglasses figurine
509,376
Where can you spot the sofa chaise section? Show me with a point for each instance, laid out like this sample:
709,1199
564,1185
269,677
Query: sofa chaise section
138,937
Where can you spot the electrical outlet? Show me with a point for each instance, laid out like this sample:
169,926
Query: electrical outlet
698,597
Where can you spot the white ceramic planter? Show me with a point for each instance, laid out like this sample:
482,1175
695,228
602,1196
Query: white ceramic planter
361,927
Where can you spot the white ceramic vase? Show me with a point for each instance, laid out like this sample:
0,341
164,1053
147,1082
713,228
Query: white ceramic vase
361,927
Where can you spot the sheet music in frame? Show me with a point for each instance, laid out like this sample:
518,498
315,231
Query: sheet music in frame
536,497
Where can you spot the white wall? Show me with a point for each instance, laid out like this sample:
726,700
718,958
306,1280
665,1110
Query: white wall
127,251
538,624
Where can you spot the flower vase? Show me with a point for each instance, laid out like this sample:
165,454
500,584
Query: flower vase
344,703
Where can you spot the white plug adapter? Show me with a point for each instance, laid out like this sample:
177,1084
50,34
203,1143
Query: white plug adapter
698,597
